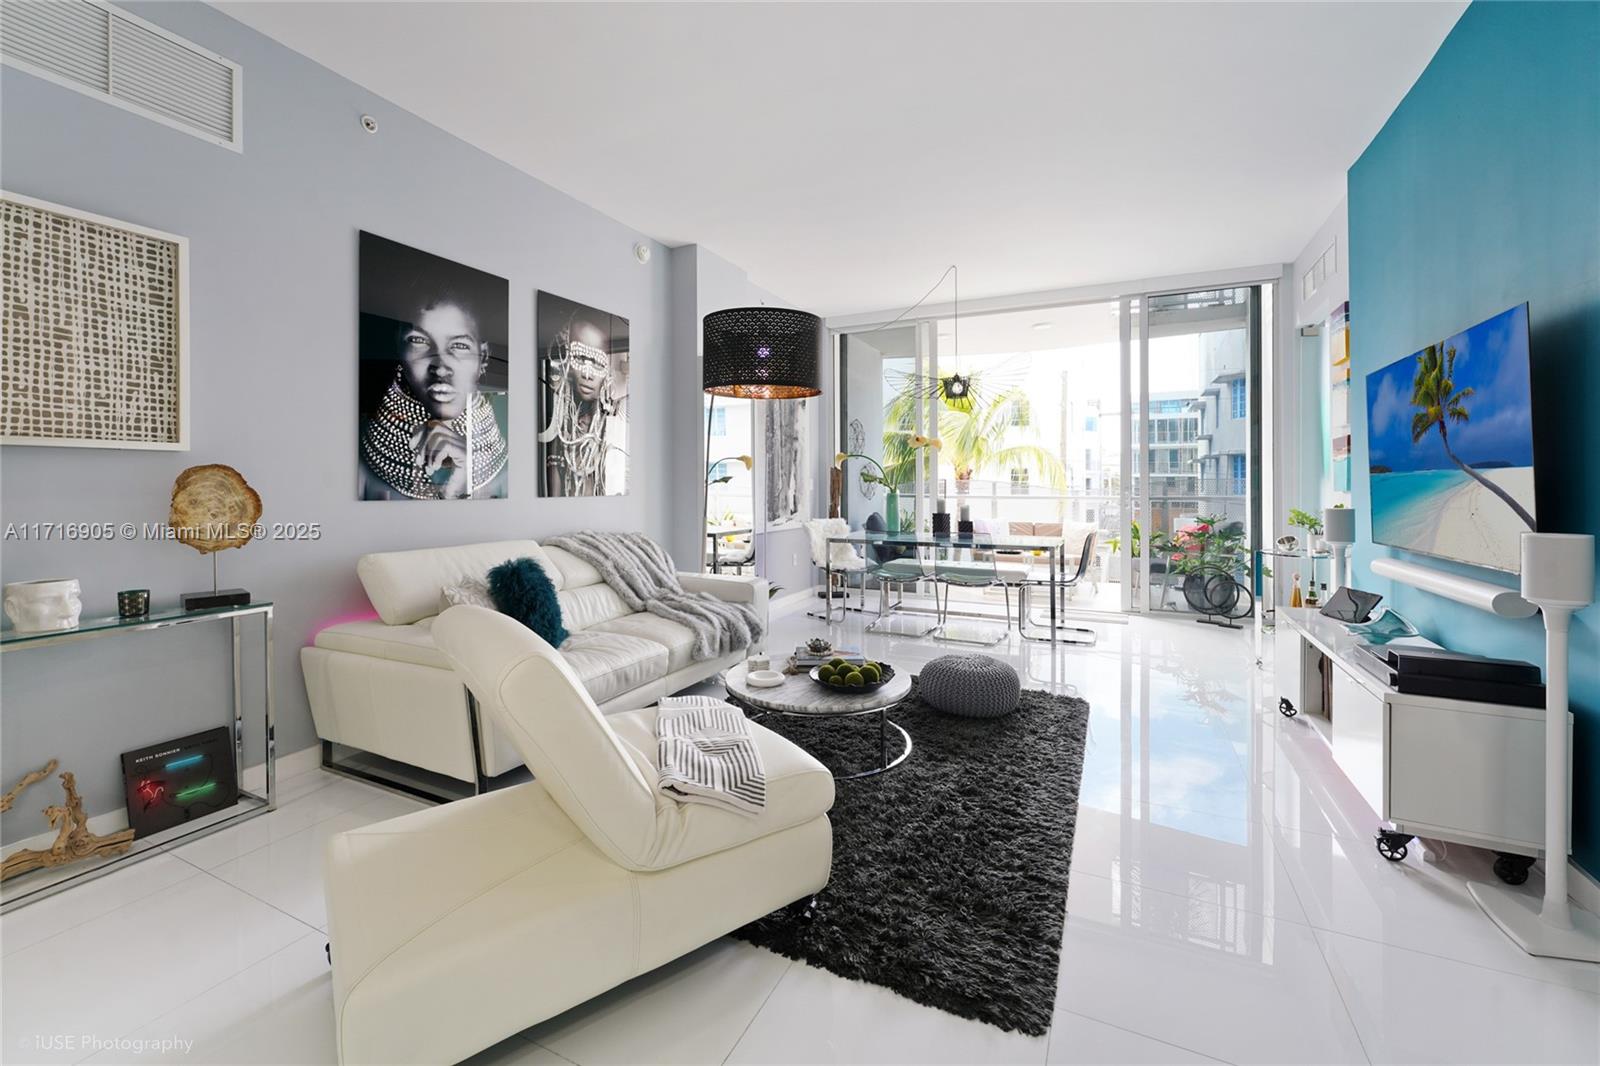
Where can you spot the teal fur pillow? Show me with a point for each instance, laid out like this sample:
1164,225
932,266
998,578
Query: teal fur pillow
520,588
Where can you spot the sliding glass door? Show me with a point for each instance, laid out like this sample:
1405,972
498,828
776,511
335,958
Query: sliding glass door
1129,421
1193,362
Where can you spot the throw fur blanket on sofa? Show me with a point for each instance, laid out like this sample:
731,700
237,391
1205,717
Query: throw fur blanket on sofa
641,572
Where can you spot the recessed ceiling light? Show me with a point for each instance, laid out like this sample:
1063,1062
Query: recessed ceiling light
1043,325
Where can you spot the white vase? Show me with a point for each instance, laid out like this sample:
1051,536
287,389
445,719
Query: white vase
42,606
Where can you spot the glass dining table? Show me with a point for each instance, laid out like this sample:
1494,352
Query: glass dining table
1052,547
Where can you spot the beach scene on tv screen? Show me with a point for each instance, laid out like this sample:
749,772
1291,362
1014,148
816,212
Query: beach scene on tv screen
1450,446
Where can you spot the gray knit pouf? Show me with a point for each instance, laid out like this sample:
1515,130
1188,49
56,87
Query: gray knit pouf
973,686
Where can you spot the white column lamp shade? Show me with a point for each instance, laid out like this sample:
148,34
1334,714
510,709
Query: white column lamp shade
1339,525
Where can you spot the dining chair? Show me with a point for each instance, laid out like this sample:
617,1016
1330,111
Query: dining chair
981,569
894,566
841,560
1064,581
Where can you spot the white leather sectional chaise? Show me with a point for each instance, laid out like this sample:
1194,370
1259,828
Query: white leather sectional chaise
457,926
383,687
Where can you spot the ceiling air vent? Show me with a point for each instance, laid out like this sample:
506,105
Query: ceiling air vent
113,56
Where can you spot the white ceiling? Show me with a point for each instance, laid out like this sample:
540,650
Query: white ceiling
845,154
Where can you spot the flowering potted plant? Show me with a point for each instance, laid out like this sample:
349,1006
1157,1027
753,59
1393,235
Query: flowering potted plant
893,519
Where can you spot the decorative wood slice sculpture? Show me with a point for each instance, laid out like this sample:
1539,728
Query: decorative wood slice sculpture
213,508
73,839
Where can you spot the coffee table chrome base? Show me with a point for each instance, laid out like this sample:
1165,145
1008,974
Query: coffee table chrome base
885,764
883,750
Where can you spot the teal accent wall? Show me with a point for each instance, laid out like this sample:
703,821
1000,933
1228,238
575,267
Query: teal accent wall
1482,191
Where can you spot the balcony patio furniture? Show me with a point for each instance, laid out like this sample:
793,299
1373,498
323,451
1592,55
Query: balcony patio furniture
730,549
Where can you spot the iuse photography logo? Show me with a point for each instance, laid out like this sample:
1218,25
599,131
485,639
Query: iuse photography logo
90,1044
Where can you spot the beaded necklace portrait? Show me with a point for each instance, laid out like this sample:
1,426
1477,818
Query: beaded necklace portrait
583,399
433,377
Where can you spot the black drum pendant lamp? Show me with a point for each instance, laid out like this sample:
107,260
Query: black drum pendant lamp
762,353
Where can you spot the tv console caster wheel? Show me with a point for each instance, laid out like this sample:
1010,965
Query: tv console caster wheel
1392,846
1286,708
1512,869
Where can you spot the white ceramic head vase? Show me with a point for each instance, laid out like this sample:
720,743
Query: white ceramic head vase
41,606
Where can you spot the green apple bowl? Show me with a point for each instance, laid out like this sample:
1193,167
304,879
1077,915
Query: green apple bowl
884,670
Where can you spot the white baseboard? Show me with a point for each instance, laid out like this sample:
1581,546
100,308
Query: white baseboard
799,598
254,779
293,764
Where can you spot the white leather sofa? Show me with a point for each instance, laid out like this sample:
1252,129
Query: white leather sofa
453,928
383,686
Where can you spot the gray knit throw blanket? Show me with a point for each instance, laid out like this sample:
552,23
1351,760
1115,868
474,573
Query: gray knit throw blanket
641,572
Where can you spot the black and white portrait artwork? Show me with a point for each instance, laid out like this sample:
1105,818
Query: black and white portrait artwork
433,377
786,482
583,399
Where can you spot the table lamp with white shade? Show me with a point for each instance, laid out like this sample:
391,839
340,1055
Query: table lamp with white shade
1558,576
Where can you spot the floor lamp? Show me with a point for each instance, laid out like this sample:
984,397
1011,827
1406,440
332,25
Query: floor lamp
758,353
1558,575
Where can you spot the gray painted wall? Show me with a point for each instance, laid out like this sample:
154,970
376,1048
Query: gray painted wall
273,242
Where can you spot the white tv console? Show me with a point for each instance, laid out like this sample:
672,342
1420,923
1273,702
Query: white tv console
1455,770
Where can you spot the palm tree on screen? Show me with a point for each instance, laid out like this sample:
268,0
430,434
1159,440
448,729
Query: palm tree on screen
1439,403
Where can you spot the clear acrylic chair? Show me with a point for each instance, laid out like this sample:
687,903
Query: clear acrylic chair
895,565
972,565
1065,580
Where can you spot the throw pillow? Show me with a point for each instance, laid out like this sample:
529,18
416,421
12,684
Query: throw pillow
520,588
472,591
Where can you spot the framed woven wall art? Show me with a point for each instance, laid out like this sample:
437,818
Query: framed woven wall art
94,331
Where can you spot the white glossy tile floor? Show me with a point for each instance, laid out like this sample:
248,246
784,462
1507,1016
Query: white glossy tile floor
1226,904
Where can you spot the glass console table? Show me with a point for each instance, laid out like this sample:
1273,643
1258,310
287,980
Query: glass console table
38,884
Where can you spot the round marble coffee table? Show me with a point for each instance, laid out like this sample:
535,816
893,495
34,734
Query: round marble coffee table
801,697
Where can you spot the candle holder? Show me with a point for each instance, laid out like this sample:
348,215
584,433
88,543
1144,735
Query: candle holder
133,603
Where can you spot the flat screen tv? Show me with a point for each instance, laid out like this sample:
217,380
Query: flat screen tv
1450,446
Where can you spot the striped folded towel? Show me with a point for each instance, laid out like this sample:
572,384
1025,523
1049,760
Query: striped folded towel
707,755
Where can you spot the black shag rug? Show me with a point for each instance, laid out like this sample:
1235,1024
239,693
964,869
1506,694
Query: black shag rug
950,871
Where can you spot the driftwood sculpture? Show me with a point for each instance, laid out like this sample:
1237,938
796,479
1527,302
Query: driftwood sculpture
73,839
38,775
